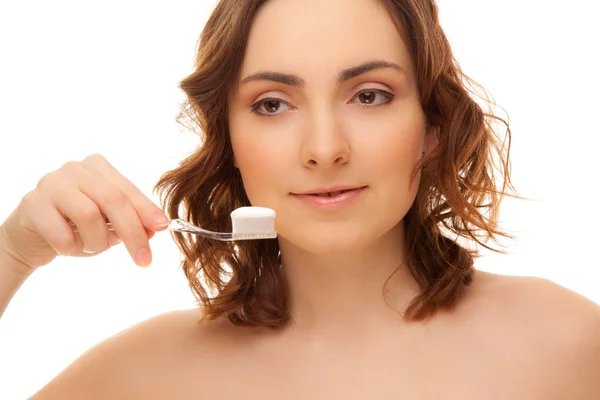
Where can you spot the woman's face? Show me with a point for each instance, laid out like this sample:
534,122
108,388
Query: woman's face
324,127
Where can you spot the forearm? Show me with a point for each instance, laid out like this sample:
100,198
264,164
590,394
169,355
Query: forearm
12,276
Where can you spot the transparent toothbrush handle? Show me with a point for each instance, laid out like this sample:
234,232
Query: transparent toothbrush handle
181,225
175,225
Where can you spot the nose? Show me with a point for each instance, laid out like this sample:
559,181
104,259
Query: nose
325,144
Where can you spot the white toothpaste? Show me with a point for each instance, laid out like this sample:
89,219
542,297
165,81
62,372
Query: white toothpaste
248,220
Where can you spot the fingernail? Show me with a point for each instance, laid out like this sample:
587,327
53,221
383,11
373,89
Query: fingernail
161,219
62,253
143,257
87,251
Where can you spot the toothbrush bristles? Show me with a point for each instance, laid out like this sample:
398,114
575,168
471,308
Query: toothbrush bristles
251,236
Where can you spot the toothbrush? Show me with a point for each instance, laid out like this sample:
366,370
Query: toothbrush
248,223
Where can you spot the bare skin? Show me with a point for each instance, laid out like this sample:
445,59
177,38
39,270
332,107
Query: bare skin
509,338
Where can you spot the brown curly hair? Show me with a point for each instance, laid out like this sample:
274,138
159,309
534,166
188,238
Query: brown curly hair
459,194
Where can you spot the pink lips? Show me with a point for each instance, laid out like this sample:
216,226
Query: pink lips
331,203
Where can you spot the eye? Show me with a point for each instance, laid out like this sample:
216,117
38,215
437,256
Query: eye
369,96
271,105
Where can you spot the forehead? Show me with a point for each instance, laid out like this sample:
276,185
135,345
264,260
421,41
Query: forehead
317,38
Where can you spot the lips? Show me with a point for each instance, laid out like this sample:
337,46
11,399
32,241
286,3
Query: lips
332,198
331,194
329,191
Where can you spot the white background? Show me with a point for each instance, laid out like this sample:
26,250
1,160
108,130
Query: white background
101,77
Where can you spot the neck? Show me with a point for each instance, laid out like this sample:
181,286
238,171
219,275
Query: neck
334,292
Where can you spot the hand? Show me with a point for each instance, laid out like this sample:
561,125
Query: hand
88,193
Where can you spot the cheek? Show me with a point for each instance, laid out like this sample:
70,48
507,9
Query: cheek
394,145
386,165
262,166
394,156
392,162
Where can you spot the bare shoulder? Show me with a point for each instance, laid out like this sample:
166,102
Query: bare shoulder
140,361
539,300
551,323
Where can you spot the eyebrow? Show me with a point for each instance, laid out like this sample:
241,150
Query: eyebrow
296,81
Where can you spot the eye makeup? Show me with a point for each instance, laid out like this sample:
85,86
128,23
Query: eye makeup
388,98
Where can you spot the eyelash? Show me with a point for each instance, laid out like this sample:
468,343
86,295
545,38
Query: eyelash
255,106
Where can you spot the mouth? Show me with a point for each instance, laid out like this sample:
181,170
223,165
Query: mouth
331,198
332,193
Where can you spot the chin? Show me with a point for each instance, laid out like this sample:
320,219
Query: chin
337,233
331,240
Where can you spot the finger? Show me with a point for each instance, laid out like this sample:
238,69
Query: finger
150,214
86,216
123,217
113,240
150,233
117,240
49,224
115,204
110,200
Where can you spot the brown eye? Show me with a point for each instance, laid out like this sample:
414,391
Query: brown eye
272,107
367,97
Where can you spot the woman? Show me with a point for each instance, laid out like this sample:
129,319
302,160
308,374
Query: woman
368,294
